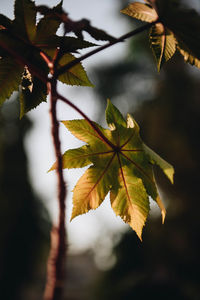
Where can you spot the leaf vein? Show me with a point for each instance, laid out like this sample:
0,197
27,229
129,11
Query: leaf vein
138,167
101,175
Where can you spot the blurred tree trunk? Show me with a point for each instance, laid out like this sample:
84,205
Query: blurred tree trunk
24,222
167,108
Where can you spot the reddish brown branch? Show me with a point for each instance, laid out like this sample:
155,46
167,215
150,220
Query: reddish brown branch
130,34
91,123
56,261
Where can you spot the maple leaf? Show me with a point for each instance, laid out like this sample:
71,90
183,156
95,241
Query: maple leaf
176,29
120,163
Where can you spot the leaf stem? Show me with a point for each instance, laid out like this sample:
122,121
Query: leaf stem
90,122
71,64
57,257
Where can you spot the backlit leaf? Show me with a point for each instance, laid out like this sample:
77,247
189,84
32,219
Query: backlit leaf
177,28
140,11
93,186
156,159
130,201
163,44
185,24
84,132
74,76
114,117
120,163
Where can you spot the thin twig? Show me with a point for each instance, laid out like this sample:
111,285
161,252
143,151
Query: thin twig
74,62
57,257
90,122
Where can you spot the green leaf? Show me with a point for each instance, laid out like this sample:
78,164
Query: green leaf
163,164
92,188
113,116
130,201
122,166
84,132
163,44
75,158
33,92
10,77
74,76
25,19
141,11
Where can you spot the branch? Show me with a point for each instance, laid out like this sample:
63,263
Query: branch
57,257
90,122
130,34
55,276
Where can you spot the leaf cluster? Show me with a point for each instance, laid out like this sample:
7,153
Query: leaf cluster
120,163
30,42
32,53
176,28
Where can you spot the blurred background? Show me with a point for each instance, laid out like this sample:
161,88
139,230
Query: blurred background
106,260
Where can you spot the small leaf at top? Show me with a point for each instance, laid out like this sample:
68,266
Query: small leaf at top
177,28
141,11
75,75
185,24
24,23
120,163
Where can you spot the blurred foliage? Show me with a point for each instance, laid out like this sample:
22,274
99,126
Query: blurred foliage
166,264
24,221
